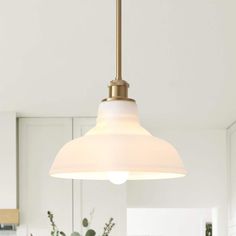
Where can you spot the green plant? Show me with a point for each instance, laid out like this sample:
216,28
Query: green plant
85,223
108,227
55,231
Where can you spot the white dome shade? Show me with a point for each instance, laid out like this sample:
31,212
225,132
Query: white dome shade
118,143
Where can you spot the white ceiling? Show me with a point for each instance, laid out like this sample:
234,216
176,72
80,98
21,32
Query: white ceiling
57,57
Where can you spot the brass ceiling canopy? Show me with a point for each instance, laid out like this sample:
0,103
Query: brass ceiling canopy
118,88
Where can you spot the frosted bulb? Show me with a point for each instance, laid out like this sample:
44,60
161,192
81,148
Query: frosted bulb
118,177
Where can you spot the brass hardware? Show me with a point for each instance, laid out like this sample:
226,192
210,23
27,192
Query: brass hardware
118,88
117,98
9,216
118,39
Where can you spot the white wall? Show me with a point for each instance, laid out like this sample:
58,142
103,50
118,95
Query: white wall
167,222
204,154
179,54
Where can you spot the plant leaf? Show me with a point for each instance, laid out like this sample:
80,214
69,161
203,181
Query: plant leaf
90,232
85,222
62,233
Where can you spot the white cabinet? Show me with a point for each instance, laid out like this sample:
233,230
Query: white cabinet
232,179
39,141
8,183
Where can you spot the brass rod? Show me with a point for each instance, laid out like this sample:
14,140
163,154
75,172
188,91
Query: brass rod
118,40
118,88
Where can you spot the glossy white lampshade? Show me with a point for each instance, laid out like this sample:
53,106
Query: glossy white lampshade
117,148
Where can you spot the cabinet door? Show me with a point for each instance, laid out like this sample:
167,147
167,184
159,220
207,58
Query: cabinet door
108,200
39,141
8,160
232,169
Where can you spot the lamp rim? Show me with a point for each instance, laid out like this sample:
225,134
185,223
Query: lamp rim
92,174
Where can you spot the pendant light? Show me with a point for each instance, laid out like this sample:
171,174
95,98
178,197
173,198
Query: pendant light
118,148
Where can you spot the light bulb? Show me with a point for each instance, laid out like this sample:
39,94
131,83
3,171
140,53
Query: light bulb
118,177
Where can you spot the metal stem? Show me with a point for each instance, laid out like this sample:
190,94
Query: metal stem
118,88
118,39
